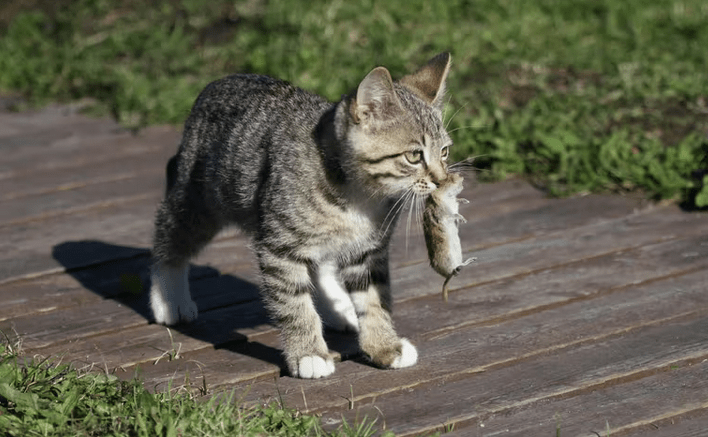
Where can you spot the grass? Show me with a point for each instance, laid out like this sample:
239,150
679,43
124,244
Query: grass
578,96
47,398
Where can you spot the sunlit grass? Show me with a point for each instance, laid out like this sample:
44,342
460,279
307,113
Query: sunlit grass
49,398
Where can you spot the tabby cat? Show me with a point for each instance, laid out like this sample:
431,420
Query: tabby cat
319,187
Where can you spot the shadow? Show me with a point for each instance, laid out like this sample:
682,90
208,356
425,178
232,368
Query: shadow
227,303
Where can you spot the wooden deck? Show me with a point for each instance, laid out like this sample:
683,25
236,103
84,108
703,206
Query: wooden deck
582,311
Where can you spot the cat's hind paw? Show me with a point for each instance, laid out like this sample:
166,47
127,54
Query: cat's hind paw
171,313
170,300
313,367
408,356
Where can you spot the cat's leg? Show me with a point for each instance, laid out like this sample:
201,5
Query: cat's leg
287,292
370,290
181,230
333,301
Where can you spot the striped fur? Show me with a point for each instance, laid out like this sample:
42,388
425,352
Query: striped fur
319,187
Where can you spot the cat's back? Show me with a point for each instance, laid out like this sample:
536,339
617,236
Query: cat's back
253,99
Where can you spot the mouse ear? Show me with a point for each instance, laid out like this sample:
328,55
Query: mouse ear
428,82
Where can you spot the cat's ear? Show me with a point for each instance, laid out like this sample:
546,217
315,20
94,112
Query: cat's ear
428,83
375,97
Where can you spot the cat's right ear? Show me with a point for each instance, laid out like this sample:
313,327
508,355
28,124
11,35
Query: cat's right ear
375,97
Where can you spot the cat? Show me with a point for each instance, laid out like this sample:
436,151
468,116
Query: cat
319,187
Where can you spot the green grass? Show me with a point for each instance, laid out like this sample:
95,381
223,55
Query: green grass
577,95
47,398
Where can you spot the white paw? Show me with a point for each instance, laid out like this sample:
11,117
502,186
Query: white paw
408,357
333,302
341,318
170,300
314,366
171,313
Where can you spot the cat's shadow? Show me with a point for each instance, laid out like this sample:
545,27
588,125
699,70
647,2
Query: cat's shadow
228,305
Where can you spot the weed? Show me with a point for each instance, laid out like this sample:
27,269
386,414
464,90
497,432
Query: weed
40,397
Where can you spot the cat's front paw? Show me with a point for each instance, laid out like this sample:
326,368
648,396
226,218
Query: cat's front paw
403,354
170,300
171,313
407,357
313,367
341,319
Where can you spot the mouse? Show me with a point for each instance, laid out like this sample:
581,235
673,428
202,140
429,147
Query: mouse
441,219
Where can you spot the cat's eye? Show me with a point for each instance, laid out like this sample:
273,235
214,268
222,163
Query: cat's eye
444,153
415,157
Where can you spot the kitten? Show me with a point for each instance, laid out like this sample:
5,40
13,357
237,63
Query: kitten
319,187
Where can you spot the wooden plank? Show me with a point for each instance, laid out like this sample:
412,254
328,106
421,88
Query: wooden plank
48,118
237,362
115,316
244,362
640,406
77,142
540,290
125,224
553,249
42,207
490,302
34,186
690,424
516,399
121,278
505,226
484,348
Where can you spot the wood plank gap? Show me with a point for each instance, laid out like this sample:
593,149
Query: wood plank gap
76,185
540,308
471,249
89,335
655,422
33,275
64,270
76,210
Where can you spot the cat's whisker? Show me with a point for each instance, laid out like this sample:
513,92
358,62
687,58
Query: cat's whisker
466,165
420,208
447,124
449,97
393,207
460,128
408,222
393,212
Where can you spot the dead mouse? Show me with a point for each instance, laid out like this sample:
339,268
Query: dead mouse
440,225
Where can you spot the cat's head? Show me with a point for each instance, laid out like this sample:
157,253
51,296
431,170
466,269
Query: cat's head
395,135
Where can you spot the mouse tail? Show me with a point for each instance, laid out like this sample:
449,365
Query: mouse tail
445,287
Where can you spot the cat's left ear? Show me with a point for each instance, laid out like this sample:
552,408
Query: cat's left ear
428,83
375,97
